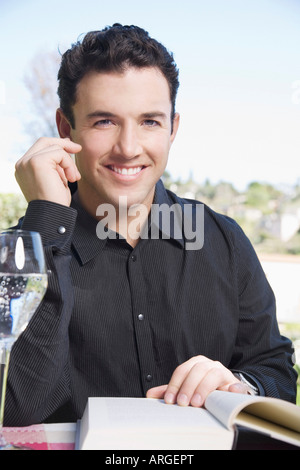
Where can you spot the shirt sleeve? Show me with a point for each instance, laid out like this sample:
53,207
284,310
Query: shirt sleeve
261,353
54,222
38,379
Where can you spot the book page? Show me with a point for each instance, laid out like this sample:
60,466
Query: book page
227,407
277,432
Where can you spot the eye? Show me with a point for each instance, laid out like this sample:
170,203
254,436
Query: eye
151,123
103,123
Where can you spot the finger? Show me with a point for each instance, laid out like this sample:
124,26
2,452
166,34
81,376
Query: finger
45,142
157,392
66,163
179,376
188,387
62,175
56,157
189,392
216,378
238,387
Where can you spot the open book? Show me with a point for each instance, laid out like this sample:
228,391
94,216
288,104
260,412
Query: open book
146,423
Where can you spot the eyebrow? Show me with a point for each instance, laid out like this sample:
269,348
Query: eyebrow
154,114
103,114
107,114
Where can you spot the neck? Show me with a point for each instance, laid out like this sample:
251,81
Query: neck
127,221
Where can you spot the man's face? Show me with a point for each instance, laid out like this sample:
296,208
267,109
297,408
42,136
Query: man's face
123,123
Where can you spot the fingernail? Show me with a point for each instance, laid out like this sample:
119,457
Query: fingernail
182,399
169,398
240,387
196,400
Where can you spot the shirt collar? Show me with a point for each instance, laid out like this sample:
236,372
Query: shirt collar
170,219
85,241
88,245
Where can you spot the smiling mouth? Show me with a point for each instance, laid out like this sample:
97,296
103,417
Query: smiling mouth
126,171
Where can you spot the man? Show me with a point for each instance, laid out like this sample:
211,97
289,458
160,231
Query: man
130,311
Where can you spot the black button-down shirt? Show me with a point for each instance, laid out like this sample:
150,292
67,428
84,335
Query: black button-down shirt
118,320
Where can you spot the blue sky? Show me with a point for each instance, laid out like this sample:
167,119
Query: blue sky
239,61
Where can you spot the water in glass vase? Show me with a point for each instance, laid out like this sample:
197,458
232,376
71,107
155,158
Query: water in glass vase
20,295
2,367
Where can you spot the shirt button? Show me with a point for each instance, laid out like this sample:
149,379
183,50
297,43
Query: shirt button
61,229
133,258
141,317
149,378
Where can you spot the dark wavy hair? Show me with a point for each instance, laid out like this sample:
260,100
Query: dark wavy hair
113,49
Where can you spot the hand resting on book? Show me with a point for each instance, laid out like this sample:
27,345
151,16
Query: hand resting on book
193,380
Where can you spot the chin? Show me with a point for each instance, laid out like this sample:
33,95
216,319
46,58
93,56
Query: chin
130,198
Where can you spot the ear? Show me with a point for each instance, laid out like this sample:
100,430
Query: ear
63,125
176,122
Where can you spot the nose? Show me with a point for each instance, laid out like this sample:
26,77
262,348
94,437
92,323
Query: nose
127,144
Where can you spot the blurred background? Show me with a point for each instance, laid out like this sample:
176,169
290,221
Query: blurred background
239,99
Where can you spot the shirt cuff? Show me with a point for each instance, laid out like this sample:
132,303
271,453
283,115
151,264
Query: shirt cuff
53,221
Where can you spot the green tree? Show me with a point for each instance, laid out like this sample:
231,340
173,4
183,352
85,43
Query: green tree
12,207
262,196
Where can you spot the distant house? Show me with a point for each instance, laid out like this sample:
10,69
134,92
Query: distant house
283,226
283,273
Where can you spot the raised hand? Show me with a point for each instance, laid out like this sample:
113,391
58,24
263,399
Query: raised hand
44,171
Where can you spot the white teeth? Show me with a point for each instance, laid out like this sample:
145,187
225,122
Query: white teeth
126,171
